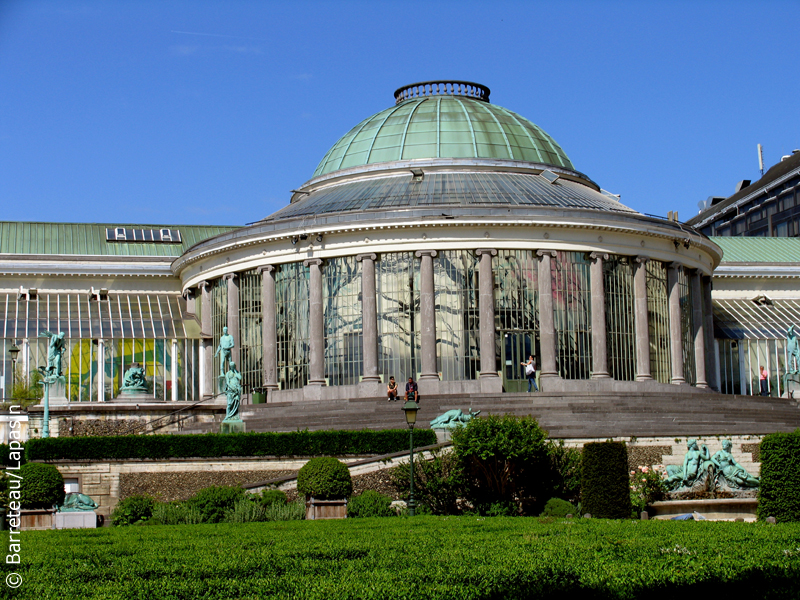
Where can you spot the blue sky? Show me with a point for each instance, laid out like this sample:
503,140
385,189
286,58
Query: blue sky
209,113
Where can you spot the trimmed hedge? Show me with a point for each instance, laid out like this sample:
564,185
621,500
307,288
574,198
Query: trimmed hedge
325,478
212,445
779,494
605,485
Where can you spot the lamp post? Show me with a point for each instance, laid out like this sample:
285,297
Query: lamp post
13,351
411,408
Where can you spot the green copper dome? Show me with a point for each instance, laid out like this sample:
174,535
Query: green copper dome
430,123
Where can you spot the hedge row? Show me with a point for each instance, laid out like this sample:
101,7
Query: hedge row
213,445
779,494
605,488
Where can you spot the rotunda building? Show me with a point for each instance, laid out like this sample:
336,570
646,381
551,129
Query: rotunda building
447,239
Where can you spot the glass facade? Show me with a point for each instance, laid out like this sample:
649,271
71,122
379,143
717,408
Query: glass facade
291,320
341,298
397,288
687,325
620,326
572,314
251,330
658,321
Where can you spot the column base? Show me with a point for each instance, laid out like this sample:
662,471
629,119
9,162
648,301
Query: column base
602,375
546,374
678,381
702,385
644,378
271,386
317,382
371,378
429,376
489,375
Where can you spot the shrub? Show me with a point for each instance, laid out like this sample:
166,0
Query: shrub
132,510
565,471
246,511
605,487
779,493
438,482
272,496
212,445
647,486
504,460
324,478
556,507
42,486
291,511
370,504
214,502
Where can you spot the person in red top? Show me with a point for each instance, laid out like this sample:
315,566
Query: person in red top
411,391
763,377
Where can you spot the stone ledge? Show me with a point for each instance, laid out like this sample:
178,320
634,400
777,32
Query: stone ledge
723,509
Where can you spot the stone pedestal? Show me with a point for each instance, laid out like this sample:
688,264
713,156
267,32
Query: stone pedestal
136,397
84,519
232,426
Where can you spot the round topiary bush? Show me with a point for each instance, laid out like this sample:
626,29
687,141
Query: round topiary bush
42,486
325,478
556,507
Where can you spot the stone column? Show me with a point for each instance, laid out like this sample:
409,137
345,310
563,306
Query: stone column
599,342
269,333
207,341
427,315
486,306
174,371
369,317
712,368
699,331
316,375
641,324
233,315
547,328
675,330
101,370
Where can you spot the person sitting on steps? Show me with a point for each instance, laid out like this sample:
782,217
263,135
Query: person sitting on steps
412,392
392,390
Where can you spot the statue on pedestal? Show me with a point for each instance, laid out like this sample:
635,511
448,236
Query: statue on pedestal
134,380
226,343
233,390
55,352
75,502
734,474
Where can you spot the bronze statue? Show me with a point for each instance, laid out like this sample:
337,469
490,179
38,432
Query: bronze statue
734,473
55,351
453,418
134,379
226,343
233,390
75,502
695,464
793,350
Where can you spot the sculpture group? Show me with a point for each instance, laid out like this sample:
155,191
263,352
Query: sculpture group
719,470
453,418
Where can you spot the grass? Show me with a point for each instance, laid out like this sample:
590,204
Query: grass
419,558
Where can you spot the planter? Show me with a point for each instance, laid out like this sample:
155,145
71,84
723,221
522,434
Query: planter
325,509
31,519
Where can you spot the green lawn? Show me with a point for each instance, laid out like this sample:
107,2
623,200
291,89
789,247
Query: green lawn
419,558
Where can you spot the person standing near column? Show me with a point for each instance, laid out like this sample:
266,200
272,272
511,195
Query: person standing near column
530,373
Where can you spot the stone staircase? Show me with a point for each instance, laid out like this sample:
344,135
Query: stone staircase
686,412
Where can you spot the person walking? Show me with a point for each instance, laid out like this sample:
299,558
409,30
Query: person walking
530,373
763,377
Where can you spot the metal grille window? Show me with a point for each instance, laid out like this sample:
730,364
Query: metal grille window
134,327
620,331
658,321
397,287
516,291
341,297
291,304
251,349
455,276
572,312
219,319
687,329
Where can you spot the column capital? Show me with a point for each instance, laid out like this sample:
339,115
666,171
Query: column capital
482,251
266,269
551,253
641,260
675,265
230,276
367,256
421,253
315,262
601,255
203,284
188,292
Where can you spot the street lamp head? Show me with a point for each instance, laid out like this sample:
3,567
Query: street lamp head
13,351
411,408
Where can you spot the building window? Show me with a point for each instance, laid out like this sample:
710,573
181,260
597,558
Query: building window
455,275
620,330
572,314
658,321
341,297
119,233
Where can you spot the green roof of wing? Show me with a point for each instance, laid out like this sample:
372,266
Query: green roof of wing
443,127
89,239
758,249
